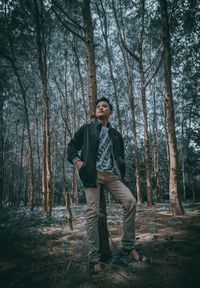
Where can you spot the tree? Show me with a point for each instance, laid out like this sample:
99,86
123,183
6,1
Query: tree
10,56
175,203
88,39
138,56
39,22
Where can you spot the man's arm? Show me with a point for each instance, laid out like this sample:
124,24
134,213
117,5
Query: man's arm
74,147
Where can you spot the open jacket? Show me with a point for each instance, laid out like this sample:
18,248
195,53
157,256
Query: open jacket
86,140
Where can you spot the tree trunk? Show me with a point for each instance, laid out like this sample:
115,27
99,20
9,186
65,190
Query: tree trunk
144,109
42,61
66,196
128,70
65,118
146,137
26,114
175,202
27,121
85,108
48,174
20,172
65,193
155,151
103,230
38,180
104,28
1,148
75,187
138,56
91,67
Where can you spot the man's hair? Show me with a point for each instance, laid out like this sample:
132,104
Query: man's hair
106,100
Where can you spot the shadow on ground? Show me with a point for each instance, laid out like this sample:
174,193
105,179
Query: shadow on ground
38,251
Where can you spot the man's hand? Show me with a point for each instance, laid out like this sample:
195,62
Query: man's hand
79,164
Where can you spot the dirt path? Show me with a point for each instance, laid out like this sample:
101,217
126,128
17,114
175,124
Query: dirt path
37,251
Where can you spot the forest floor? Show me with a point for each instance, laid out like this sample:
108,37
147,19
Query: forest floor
39,251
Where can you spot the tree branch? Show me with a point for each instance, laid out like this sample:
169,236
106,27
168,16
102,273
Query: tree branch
134,55
67,27
155,72
75,24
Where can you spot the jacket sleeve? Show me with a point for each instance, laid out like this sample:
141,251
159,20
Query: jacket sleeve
75,144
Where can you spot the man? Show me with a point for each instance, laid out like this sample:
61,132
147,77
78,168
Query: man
101,163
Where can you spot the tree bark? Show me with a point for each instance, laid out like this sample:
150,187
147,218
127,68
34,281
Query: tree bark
175,202
128,70
31,193
42,61
155,151
20,172
104,28
138,56
146,137
91,67
81,82
75,187
1,147
103,230
65,192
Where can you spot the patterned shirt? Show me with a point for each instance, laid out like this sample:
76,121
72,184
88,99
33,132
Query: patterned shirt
104,156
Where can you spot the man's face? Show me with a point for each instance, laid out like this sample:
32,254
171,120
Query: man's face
103,111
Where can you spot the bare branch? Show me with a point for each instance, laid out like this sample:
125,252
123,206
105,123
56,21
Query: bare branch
75,24
155,72
67,27
136,57
154,58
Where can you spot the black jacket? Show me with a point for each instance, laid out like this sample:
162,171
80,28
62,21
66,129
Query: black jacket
86,140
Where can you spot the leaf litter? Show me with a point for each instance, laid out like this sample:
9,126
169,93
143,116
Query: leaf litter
41,251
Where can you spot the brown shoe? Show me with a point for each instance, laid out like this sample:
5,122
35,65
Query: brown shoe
96,267
137,257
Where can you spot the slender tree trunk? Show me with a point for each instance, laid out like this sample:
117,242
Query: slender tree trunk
183,156
65,118
193,189
91,67
104,27
48,173
27,121
155,151
20,172
82,86
175,202
26,114
65,193
146,137
38,180
128,70
103,230
1,148
75,187
144,109
191,180
66,196
138,56
42,61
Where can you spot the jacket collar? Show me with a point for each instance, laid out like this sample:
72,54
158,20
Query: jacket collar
100,125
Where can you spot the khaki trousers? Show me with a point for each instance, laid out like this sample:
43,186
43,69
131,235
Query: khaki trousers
113,185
